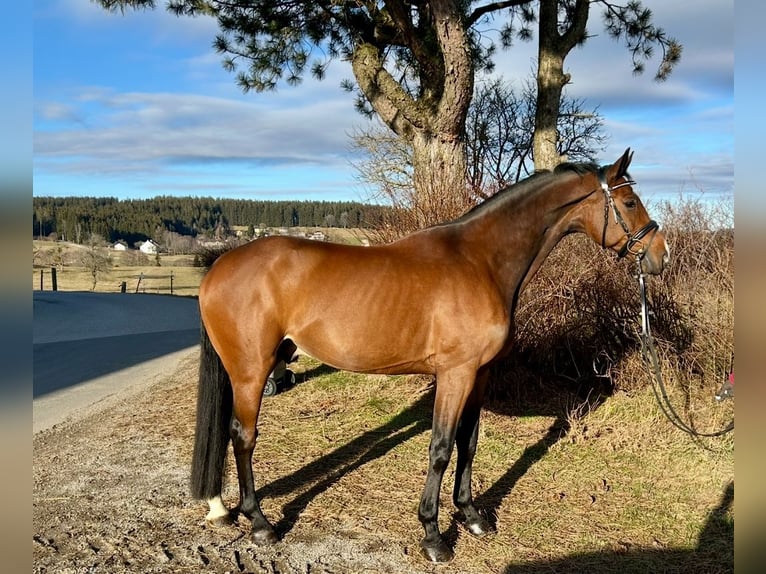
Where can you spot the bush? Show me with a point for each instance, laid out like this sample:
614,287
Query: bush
205,256
578,320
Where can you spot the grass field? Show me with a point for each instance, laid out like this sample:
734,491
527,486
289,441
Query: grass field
73,276
570,487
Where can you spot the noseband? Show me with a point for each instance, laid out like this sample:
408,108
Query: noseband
634,238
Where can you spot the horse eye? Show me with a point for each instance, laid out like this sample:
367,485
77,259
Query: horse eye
630,203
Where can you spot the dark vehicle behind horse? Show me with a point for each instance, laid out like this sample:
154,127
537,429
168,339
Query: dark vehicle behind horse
440,301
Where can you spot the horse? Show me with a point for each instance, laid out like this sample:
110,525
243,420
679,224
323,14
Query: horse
439,301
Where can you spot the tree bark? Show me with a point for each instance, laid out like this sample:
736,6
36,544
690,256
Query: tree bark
439,178
550,84
553,48
434,121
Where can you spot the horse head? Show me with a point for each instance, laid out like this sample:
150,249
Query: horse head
623,224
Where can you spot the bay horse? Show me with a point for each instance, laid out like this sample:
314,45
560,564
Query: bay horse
439,301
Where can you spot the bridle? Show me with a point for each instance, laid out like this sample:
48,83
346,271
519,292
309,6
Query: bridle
634,238
648,349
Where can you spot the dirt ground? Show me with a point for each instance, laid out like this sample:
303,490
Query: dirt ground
340,466
111,494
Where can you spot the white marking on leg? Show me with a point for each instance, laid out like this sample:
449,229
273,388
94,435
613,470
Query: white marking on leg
218,509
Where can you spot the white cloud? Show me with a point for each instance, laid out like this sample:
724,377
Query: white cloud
161,24
56,111
152,127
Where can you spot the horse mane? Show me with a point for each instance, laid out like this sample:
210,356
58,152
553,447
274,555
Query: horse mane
529,185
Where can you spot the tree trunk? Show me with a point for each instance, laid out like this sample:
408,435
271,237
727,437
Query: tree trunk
550,84
432,120
553,48
439,179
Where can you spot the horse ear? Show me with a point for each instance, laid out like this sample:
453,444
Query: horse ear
620,167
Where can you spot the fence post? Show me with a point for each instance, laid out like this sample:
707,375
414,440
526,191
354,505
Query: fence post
54,282
139,281
123,286
42,274
171,281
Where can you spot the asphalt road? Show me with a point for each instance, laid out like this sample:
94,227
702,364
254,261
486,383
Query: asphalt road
90,346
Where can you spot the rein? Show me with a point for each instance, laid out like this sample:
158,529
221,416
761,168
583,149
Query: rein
648,350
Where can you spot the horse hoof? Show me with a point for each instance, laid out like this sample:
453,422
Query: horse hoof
221,521
479,527
437,551
264,536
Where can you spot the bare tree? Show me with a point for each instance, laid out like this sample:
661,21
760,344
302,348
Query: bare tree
499,152
386,168
500,134
96,258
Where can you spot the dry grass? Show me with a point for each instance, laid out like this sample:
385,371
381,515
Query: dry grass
578,320
570,488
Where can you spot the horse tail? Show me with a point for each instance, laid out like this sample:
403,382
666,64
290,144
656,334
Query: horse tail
211,437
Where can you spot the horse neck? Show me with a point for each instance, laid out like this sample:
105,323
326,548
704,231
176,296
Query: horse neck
519,233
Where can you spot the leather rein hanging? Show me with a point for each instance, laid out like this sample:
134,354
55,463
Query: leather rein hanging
648,350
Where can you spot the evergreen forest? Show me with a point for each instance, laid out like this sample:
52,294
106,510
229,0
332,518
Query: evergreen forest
78,218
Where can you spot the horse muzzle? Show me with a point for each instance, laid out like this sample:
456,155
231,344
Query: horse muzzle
649,246
655,255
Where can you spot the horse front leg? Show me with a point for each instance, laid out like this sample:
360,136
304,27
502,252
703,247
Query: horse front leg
244,431
466,440
451,391
433,545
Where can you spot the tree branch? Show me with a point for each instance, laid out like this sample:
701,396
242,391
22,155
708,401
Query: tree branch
480,11
458,68
393,104
576,30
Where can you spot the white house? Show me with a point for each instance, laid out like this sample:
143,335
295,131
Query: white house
318,236
149,247
120,246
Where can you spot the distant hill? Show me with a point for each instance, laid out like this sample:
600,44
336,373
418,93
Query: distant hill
75,218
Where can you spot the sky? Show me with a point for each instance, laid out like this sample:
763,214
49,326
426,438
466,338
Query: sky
138,105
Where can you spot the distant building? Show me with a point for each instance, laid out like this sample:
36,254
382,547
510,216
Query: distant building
149,247
217,244
120,245
318,236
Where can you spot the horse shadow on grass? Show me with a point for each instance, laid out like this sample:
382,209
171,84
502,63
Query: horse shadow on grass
321,474
530,396
714,553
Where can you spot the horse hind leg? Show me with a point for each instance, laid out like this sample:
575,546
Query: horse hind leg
218,515
248,392
243,440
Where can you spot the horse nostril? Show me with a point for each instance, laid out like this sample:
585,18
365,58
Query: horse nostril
666,256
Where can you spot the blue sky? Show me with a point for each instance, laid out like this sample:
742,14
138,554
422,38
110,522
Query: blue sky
138,105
